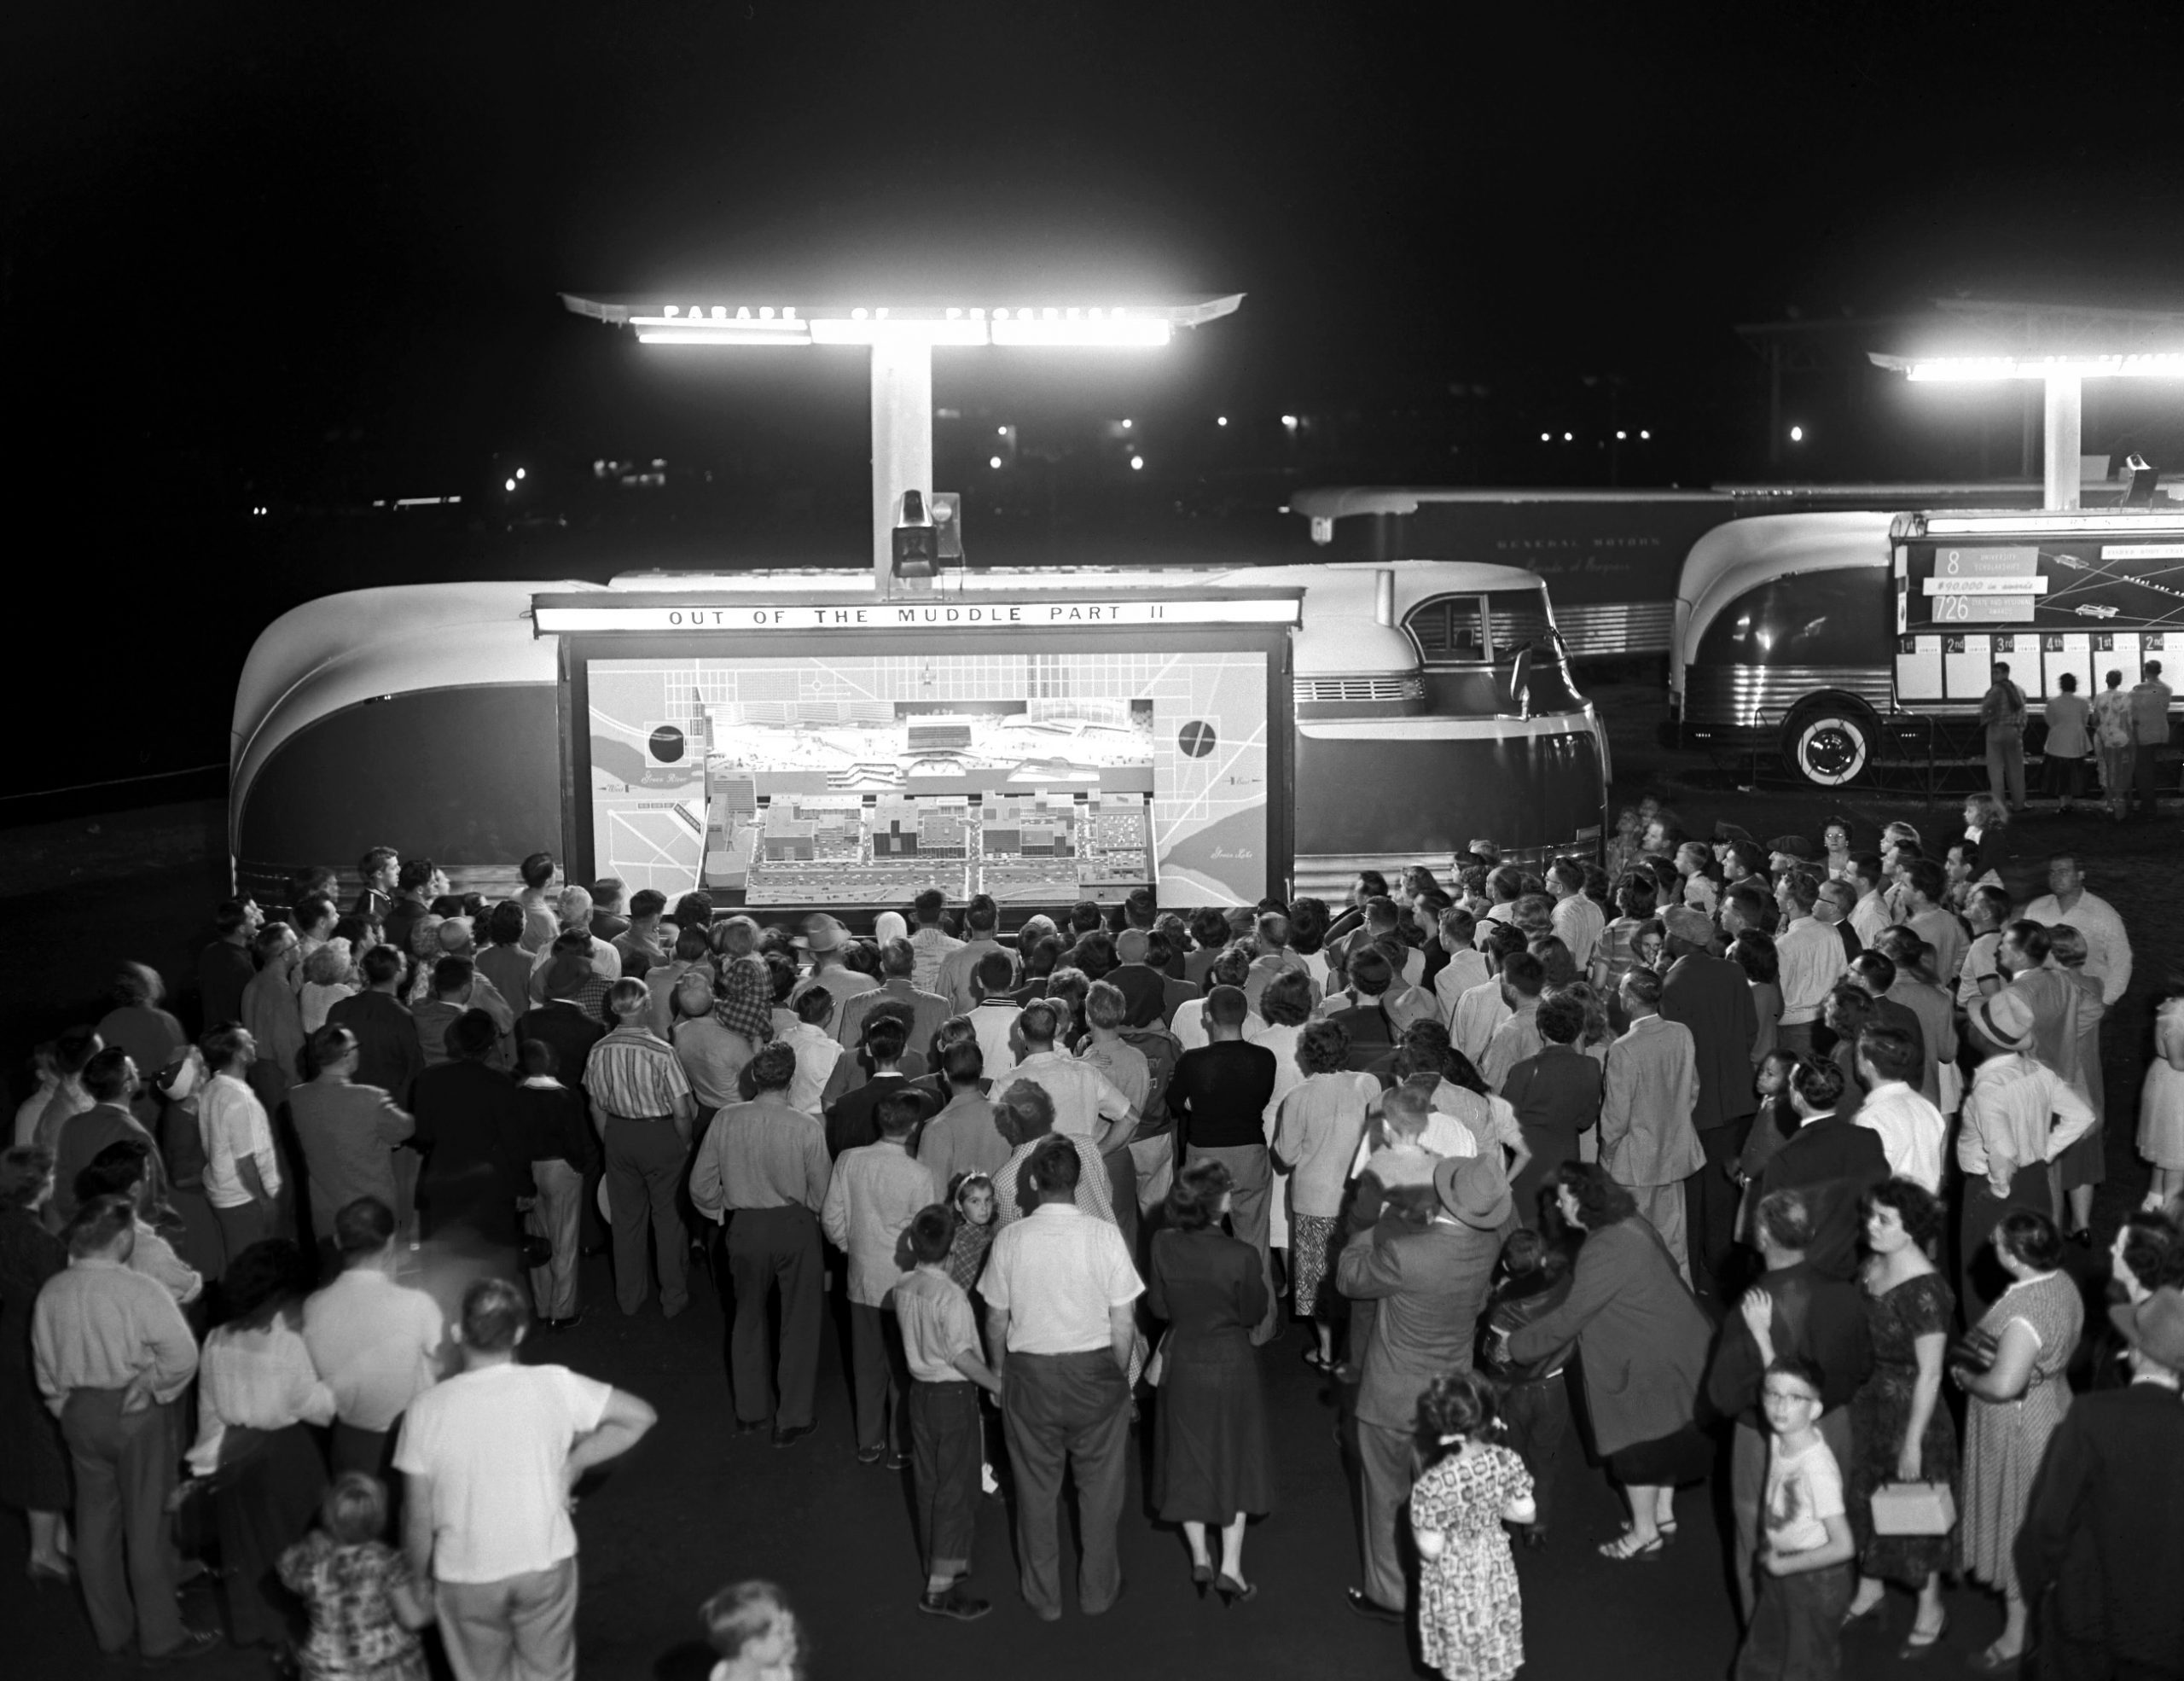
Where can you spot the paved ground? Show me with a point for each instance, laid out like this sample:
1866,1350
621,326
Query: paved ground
695,1507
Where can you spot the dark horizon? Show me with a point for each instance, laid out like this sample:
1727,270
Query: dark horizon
256,258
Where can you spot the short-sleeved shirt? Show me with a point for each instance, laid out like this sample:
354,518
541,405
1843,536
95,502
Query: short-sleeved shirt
236,1130
1055,1273
1317,1132
1803,1490
1083,1096
938,1324
494,1443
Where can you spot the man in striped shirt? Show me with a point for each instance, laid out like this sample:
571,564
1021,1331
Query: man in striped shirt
641,1101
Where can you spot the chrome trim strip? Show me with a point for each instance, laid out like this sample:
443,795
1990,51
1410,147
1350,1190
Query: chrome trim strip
1758,696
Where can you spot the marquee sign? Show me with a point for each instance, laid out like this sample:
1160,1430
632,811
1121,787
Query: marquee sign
587,615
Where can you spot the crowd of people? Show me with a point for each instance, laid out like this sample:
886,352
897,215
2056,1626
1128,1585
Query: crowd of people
1762,1161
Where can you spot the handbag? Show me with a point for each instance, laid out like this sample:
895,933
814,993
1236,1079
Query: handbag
1157,1367
1913,1508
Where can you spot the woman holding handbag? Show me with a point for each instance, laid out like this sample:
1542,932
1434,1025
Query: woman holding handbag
1905,1437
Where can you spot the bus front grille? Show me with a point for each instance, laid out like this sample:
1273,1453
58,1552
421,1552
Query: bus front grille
1315,691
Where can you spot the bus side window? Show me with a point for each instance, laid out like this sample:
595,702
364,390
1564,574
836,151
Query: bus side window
1448,631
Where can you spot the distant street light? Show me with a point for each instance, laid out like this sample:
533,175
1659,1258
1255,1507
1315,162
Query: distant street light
1221,420
509,485
1137,463
1796,434
993,460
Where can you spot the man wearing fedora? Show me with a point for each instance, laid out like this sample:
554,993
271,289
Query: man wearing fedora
1429,1283
2019,1116
828,942
2102,1548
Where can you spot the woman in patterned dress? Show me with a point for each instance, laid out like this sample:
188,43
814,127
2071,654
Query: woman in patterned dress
1902,1432
1471,1618
2015,1404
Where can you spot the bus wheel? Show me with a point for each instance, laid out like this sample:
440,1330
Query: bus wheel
1829,743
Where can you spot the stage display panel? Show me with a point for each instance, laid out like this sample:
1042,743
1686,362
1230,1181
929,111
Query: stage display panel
842,779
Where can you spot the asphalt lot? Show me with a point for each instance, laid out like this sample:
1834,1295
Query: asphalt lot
695,1507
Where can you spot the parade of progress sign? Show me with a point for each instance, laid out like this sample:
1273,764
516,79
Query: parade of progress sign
841,778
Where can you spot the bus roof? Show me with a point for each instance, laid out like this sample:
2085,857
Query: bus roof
1732,559
349,649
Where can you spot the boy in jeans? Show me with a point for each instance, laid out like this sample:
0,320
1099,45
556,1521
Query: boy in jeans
940,1338
1804,1559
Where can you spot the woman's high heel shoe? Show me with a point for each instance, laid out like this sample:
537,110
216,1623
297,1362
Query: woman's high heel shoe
1201,1578
1233,1592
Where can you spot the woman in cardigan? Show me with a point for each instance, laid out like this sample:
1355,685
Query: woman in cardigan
1642,1342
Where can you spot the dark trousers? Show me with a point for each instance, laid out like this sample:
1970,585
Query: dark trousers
1796,1631
644,1172
125,1468
1384,1459
2142,774
1122,1190
945,1454
876,1385
1536,1414
1057,1412
768,1247
1250,1210
241,1226
1710,1208
1748,1488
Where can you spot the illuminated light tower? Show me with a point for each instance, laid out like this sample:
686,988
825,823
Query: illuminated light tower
2060,346
899,340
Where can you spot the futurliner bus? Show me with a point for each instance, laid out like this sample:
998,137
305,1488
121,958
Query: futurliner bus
1839,640
793,738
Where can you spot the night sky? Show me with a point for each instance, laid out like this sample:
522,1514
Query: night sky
276,253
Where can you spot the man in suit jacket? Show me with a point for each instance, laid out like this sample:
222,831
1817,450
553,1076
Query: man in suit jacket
2106,1527
1429,1285
1834,1161
1712,997
1647,1144
927,1010
1150,996
1556,1093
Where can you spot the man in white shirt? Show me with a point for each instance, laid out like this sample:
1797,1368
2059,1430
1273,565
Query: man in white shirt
375,1343
1086,1102
493,1458
1869,914
242,1173
1578,922
816,1050
1810,955
2108,944
1911,1129
1061,1293
2019,1116
929,939
1466,967
876,1190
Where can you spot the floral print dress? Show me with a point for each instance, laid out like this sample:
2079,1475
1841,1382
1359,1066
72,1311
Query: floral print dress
1470,1619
